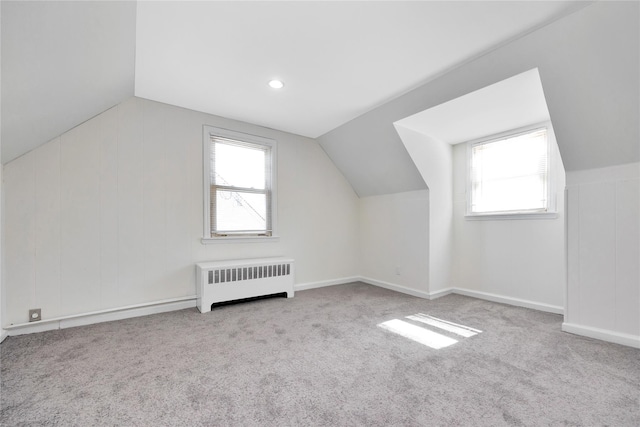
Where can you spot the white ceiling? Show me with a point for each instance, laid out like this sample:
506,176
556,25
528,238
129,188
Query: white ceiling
509,104
64,62
589,65
338,59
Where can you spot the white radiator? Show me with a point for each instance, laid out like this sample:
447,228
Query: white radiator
221,281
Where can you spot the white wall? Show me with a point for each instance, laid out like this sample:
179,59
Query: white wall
603,208
521,261
2,299
588,63
3,333
394,234
110,213
434,162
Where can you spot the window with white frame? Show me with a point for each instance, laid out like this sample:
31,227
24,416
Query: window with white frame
510,175
239,184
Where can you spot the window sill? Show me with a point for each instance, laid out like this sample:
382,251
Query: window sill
511,216
238,239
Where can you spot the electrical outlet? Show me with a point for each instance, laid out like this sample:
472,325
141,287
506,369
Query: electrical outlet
34,315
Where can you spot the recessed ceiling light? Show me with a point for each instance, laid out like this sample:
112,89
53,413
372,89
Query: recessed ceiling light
276,84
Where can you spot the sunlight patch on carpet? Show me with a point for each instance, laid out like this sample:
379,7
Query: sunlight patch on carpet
462,330
418,334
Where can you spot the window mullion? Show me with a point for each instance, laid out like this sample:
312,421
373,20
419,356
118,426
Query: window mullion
239,189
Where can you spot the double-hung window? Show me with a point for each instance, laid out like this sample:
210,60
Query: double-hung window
239,183
510,175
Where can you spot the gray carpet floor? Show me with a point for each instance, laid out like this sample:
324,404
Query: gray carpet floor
320,359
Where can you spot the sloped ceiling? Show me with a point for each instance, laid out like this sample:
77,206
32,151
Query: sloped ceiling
62,63
338,59
509,104
351,70
589,65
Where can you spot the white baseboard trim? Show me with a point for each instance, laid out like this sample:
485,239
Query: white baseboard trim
441,293
108,315
35,327
467,292
603,334
374,282
510,300
436,294
188,302
323,283
395,287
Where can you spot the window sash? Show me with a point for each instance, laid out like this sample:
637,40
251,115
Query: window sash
504,184
220,232
212,229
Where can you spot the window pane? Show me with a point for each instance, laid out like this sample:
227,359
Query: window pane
239,166
523,193
238,211
510,174
509,158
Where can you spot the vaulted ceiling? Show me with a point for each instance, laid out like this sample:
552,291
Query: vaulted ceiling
351,69
589,67
64,62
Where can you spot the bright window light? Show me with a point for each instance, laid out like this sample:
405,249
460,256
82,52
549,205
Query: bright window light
418,334
239,191
240,185
510,174
463,331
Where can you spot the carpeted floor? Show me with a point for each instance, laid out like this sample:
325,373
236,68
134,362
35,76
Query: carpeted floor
320,359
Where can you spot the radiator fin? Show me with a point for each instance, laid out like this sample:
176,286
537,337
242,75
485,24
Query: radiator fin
238,274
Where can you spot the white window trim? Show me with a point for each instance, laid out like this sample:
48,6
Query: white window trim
207,132
551,212
511,216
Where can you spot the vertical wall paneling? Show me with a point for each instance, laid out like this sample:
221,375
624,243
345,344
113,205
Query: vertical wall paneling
3,298
79,218
307,201
3,333
179,278
394,239
110,214
130,201
597,253
19,237
154,197
195,183
603,245
47,229
573,308
627,296
107,134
